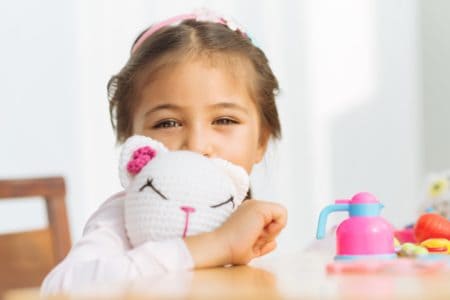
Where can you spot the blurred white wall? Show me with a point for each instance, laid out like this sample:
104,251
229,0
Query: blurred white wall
349,103
40,112
435,41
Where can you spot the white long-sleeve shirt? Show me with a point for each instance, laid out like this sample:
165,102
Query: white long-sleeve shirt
104,254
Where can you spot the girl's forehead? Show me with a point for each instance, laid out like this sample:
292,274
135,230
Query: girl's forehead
199,81
234,65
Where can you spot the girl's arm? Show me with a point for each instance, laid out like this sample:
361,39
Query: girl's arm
104,255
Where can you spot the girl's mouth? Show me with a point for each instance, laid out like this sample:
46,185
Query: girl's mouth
187,210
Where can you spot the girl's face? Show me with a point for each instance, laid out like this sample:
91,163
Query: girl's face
198,107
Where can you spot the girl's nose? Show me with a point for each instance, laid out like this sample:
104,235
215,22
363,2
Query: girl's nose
197,140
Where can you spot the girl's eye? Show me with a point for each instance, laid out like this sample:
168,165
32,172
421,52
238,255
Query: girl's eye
225,121
231,199
167,124
149,183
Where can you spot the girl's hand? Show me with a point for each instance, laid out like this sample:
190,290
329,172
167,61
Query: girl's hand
248,233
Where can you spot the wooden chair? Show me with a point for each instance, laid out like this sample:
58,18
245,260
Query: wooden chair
26,257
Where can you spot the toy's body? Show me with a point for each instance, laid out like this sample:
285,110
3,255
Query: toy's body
364,234
172,194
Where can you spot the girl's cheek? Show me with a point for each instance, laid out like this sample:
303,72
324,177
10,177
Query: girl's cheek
172,139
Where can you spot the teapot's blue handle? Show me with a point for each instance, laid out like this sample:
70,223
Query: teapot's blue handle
324,215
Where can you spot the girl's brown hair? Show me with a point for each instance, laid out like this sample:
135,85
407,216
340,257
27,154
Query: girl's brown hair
191,39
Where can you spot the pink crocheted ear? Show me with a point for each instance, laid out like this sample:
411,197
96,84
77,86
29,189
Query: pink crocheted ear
140,159
132,159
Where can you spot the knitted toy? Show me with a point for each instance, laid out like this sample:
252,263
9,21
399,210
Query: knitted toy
438,194
172,194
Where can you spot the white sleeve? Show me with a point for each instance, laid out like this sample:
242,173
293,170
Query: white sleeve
104,254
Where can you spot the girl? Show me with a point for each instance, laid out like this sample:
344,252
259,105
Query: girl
196,83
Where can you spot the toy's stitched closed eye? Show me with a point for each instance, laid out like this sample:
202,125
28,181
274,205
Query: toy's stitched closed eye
231,199
149,184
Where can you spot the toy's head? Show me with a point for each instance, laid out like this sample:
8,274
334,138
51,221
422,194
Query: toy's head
438,193
176,193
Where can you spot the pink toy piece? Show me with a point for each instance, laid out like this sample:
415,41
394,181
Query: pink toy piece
398,266
405,235
364,234
140,158
363,197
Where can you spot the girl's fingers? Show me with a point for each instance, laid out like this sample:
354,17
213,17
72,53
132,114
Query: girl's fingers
267,237
275,214
274,220
259,243
273,229
269,233
268,247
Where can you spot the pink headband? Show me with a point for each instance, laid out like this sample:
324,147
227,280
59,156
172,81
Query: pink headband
204,16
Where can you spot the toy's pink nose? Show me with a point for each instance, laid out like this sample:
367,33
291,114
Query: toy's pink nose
187,209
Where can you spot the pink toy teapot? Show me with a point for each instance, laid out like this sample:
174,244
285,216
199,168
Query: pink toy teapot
365,234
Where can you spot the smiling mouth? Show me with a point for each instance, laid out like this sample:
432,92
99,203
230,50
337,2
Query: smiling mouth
187,210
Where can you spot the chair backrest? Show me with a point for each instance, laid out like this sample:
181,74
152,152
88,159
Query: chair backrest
26,257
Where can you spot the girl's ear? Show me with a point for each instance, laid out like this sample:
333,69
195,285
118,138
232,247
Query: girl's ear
238,176
129,164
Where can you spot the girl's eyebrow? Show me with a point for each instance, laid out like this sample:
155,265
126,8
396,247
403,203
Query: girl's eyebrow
168,106
163,107
231,105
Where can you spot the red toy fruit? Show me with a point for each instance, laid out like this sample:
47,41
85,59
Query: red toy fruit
432,226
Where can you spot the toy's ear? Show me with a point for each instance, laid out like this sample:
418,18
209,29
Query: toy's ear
137,151
238,176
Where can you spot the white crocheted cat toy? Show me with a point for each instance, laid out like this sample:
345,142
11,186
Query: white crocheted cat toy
173,194
438,193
